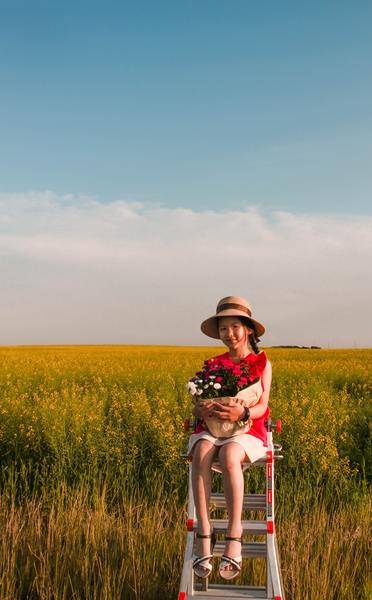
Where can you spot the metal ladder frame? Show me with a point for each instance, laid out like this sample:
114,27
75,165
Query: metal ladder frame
274,585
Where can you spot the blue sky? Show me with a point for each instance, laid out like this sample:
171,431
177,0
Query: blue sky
207,105
158,156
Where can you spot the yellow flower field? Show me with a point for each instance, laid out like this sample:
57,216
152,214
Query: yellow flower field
93,489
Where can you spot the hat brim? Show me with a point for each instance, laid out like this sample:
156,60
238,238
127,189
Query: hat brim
210,326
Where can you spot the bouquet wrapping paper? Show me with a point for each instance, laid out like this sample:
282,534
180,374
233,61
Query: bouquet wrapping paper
248,396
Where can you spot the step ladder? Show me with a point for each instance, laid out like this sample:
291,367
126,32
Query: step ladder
193,587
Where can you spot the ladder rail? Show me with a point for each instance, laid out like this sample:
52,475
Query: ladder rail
279,568
273,568
274,583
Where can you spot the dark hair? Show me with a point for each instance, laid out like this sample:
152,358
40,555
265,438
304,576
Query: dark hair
253,339
254,342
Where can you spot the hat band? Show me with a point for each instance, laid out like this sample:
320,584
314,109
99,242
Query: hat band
236,306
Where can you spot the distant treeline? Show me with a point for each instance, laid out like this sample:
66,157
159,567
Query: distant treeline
302,347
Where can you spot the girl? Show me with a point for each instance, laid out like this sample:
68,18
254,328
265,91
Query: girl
234,325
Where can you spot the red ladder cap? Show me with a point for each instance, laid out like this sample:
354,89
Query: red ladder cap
277,598
190,524
270,527
182,596
278,426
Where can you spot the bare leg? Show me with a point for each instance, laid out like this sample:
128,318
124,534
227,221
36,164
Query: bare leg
231,457
203,455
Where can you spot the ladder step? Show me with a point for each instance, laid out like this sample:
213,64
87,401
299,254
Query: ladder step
250,501
252,549
211,595
219,592
249,527
223,596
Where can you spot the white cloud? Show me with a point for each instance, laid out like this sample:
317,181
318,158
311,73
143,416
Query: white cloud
78,270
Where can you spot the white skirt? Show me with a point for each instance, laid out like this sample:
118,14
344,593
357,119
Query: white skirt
254,447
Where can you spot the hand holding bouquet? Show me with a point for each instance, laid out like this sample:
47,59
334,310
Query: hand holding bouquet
218,386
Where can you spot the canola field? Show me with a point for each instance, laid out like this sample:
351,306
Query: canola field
93,490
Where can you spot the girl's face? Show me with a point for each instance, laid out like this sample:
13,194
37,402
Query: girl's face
233,333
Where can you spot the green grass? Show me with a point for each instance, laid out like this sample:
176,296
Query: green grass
93,491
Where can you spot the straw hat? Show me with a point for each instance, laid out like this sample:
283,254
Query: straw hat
231,306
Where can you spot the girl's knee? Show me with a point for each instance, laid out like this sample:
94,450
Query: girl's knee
203,451
231,456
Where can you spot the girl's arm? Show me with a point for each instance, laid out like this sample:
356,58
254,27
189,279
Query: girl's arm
202,411
260,408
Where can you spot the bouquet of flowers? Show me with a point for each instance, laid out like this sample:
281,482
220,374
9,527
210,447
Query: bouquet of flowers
226,384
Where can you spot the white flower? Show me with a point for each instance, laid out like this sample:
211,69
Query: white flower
191,388
211,383
207,385
199,392
212,376
217,386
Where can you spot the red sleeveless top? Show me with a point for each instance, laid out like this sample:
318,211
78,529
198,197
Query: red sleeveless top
257,364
